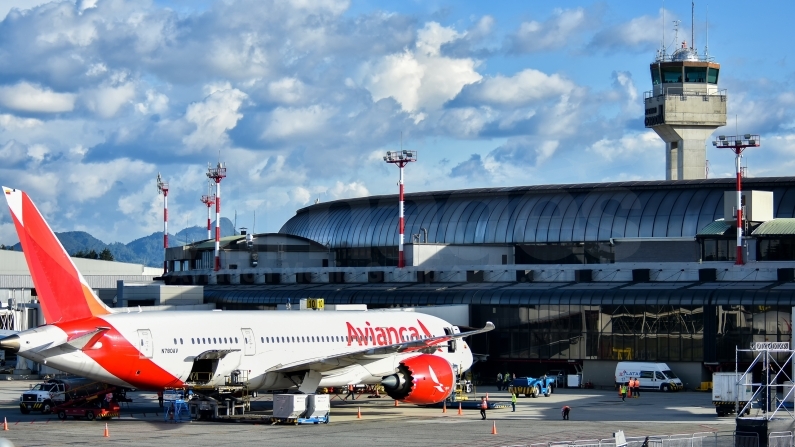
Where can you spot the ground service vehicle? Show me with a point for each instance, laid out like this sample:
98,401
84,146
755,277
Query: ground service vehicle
726,391
415,357
653,376
46,395
532,387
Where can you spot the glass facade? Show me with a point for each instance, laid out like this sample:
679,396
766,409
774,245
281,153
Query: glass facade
560,324
775,249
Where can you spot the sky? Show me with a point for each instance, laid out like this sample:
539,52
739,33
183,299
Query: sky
301,99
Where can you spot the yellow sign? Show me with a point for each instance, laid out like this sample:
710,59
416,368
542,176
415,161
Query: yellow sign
315,303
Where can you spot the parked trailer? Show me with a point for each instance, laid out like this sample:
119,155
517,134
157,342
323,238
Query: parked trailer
727,392
101,403
532,387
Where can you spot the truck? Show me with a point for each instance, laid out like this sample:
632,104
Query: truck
46,395
729,389
532,387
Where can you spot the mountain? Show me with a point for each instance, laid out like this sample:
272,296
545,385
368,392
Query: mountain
147,250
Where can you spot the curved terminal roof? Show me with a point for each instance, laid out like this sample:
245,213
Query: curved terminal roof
534,214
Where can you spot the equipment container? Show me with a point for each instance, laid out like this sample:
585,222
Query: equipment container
289,406
318,406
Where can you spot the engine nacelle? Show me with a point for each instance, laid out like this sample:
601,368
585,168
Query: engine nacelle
424,379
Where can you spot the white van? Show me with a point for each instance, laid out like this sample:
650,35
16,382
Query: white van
653,376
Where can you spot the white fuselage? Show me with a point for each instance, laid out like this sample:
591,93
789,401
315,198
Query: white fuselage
259,346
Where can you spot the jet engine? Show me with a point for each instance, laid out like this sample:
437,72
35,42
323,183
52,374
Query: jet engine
424,379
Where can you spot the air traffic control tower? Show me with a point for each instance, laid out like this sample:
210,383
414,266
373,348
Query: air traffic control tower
684,108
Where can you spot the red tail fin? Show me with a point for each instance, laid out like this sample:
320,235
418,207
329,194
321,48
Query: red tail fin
63,292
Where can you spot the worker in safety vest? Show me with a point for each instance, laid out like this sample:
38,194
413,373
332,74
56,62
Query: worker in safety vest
513,401
637,387
622,391
484,405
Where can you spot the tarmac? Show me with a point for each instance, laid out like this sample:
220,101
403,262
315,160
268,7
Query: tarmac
595,414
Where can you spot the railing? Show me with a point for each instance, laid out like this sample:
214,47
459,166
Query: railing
705,439
680,91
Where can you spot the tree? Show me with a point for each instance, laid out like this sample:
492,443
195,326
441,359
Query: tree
106,255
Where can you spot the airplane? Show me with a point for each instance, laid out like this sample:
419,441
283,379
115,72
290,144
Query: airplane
416,357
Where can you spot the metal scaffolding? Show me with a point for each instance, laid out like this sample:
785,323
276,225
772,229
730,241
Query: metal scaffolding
776,359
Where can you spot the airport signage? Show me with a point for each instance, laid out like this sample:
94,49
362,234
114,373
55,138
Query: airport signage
770,346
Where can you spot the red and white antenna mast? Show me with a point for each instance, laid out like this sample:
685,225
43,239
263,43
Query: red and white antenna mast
162,188
217,173
209,200
737,145
400,159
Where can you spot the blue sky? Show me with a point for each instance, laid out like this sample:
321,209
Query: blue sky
302,98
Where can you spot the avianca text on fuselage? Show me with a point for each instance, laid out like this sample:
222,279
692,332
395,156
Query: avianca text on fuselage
384,336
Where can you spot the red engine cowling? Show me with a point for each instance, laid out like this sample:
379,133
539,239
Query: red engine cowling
424,379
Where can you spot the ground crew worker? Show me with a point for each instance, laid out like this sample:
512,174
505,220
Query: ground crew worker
565,410
513,401
499,381
623,392
350,393
484,405
160,398
506,381
637,387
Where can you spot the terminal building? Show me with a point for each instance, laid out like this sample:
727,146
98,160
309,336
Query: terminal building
585,274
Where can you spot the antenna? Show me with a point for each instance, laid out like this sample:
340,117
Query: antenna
676,31
254,227
662,44
706,46
693,25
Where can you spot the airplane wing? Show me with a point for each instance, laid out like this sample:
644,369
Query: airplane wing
328,363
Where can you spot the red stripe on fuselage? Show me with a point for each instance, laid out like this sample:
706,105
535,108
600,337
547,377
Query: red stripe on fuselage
120,357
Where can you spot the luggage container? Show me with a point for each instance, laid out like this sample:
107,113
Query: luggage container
318,409
287,408
726,392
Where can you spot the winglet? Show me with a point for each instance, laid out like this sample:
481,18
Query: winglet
63,292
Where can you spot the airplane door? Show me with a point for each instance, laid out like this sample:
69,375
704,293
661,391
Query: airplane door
248,340
145,343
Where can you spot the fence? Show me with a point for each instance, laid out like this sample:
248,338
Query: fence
706,439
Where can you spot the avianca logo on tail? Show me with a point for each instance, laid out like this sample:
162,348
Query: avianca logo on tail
382,336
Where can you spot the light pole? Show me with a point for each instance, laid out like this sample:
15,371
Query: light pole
209,200
217,173
162,187
400,159
737,144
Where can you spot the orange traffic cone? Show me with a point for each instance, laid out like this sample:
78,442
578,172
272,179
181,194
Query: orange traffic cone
444,406
396,403
358,412
107,434
494,428
459,409
5,424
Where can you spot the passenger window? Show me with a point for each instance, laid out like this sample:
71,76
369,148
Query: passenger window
191,341
235,339
646,375
313,339
204,341
214,340
180,341
660,376
262,339
175,341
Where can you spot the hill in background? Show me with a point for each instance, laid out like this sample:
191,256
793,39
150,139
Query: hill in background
147,250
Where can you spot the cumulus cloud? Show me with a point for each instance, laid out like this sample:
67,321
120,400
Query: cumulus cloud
27,97
421,79
342,190
213,116
552,34
627,147
106,101
526,87
14,122
297,122
640,34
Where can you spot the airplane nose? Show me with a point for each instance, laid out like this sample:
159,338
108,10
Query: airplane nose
10,343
